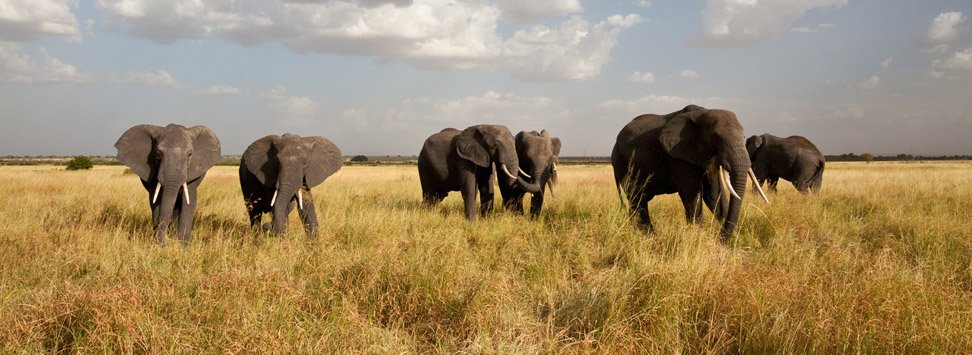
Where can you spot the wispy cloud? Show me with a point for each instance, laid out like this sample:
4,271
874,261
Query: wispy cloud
159,78
19,68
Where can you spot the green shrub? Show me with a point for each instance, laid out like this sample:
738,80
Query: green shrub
80,163
359,158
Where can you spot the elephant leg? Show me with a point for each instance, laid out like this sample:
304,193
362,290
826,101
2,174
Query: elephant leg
432,198
484,183
255,216
469,187
771,183
186,213
712,198
688,180
536,204
643,218
308,216
184,222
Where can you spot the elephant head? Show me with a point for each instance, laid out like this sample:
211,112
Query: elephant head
752,146
538,154
289,164
712,139
168,158
485,145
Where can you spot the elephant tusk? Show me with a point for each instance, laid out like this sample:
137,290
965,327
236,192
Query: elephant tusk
550,186
274,199
759,189
507,172
155,196
554,166
300,199
725,181
185,190
524,173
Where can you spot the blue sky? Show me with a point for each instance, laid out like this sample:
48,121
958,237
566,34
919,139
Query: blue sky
379,76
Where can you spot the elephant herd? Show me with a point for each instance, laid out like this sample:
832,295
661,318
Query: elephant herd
696,152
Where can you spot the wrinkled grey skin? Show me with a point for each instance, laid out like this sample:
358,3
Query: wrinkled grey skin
538,153
680,153
285,164
172,155
463,161
793,158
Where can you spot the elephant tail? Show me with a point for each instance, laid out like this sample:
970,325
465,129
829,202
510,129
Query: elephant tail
817,179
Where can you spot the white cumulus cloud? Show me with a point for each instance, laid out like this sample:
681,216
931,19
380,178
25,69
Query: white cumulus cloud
533,11
297,109
27,20
19,68
689,74
887,63
870,83
222,90
959,61
944,29
159,78
422,115
437,34
739,23
641,78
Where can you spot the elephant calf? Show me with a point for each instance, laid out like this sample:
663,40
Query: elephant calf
538,154
793,158
277,173
463,161
171,161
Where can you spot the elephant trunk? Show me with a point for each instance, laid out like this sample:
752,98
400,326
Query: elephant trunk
288,186
738,170
169,194
529,187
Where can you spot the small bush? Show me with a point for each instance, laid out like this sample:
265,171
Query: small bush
80,163
359,158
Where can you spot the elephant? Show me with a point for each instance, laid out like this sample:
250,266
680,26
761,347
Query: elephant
277,173
168,160
454,160
538,154
689,152
793,158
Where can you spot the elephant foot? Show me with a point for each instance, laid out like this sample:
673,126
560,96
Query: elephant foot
266,227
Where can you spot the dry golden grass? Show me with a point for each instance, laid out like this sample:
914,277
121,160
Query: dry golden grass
880,261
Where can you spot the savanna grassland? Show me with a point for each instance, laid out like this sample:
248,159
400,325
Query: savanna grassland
880,261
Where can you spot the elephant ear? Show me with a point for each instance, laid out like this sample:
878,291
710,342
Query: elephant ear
471,146
260,160
753,143
555,146
323,160
136,148
681,138
205,151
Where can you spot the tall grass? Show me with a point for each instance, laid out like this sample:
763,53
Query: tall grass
880,261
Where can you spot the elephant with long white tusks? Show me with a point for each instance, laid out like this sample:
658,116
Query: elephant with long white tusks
538,153
696,152
277,173
454,160
171,162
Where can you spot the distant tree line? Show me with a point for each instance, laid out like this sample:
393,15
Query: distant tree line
899,157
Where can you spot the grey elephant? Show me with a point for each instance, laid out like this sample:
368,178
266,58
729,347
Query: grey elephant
171,162
454,160
277,173
690,152
793,158
538,154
